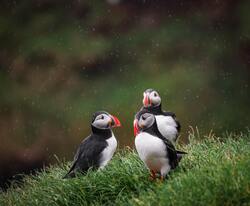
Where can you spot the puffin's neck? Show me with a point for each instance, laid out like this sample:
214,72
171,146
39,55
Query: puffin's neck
155,109
105,133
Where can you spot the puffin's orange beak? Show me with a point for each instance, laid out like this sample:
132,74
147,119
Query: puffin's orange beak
146,100
115,121
136,128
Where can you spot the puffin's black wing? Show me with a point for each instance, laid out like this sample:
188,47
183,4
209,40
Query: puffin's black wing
172,153
87,155
71,172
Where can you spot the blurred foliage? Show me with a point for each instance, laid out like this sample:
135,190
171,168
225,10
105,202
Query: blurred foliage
62,60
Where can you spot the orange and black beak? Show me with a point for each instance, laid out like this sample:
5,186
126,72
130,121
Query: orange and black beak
136,127
115,121
146,100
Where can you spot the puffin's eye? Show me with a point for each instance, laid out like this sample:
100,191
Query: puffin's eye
102,117
155,94
143,118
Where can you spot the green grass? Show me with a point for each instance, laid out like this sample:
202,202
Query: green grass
215,172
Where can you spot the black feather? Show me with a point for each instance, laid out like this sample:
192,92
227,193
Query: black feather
89,152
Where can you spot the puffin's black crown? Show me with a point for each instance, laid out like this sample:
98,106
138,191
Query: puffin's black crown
149,90
98,113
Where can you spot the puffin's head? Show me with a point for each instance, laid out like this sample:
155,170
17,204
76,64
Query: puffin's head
151,98
104,120
146,120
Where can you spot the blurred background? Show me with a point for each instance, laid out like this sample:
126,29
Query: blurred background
60,61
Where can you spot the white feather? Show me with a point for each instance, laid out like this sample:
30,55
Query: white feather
108,152
152,152
167,127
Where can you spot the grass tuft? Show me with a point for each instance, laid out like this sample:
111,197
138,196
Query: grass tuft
216,171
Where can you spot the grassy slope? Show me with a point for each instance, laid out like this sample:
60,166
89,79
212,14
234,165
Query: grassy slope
215,172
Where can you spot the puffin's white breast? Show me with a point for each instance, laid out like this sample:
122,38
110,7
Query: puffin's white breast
167,127
152,151
108,152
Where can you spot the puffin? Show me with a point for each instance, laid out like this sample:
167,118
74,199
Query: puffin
158,153
167,122
98,148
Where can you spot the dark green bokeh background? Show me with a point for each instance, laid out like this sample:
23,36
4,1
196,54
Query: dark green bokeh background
62,60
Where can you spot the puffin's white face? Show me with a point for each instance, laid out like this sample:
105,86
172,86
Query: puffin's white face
151,98
146,120
105,121
155,98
